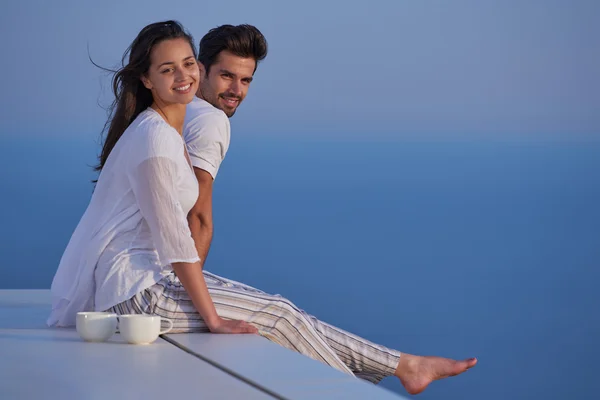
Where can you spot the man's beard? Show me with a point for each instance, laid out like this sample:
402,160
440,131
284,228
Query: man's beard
215,102
228,112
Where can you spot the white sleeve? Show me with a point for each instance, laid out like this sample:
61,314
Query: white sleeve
207,139
153,182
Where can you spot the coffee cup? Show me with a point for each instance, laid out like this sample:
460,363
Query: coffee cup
142,328
96,326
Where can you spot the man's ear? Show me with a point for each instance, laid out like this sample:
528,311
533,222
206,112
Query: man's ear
146,82
202,69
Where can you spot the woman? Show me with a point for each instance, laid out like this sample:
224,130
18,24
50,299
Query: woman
134,231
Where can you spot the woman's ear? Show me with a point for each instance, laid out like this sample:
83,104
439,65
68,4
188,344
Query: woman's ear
146,82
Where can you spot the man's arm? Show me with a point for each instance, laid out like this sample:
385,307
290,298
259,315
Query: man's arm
207,140
200,216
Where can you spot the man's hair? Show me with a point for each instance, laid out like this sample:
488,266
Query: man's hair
242,40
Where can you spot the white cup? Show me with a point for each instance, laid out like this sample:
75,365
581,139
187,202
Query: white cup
142,328
96,326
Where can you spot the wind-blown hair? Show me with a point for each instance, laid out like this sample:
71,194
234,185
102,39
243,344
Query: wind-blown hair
131,96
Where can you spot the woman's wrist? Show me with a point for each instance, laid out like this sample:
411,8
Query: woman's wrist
213,322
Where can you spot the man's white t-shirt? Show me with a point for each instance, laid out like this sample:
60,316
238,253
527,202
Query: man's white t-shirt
207,133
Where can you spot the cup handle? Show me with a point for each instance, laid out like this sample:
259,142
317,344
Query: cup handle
169,328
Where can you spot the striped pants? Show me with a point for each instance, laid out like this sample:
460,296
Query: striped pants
275,317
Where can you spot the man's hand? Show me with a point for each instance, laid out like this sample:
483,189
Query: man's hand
232,326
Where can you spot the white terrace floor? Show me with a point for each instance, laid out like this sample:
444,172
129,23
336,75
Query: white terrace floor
37,362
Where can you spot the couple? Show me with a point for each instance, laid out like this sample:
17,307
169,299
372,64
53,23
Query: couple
141,244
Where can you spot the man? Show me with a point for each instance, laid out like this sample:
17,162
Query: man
228,58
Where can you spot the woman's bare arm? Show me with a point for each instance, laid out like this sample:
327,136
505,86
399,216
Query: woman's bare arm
190,275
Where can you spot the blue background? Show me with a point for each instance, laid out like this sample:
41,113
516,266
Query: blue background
424,174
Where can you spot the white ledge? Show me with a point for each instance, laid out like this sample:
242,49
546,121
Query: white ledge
42,362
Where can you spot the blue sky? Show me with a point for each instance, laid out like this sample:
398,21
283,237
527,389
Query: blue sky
377,69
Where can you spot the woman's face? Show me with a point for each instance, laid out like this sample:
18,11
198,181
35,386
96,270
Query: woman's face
173,74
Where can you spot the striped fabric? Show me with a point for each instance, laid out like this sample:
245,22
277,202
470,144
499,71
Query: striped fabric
276,318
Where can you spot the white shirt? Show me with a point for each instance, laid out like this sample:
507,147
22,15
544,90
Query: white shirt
135,225
207,134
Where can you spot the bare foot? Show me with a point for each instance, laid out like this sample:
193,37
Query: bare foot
417,372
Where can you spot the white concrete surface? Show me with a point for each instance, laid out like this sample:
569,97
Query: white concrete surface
52,363
57,364
37,362
286,372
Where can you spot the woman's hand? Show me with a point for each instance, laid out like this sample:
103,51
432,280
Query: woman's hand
232,326
190,275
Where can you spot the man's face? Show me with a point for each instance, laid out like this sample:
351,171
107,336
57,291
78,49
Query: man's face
226,84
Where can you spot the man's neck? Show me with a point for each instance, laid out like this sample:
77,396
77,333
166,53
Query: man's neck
199,94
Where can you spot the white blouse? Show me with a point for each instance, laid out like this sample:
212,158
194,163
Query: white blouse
135,225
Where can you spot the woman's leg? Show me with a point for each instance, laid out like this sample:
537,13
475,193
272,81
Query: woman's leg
282,322
276,318
365,359
373,362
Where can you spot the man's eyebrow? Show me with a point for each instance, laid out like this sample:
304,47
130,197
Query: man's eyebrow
224,71
173,62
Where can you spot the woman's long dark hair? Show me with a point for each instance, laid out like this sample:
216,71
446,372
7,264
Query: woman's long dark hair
131,96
